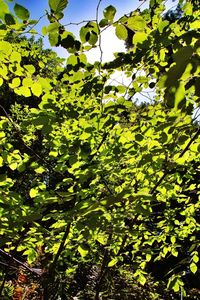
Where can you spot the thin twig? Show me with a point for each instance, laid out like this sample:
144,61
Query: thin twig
20,263
100,40
78,23
7,265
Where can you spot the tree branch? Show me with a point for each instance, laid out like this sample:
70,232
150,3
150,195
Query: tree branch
32,270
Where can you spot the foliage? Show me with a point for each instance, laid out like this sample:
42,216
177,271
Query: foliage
87,175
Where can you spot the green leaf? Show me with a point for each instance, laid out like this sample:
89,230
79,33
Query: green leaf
93,38
136,23
179,95
32,255
113,262
27,82
173,283
83,32
195,258
148,257
103,23
195,24
36,89
83,250
176,286
142,279
44,30
30,68
109,12
173,239
9,19
58,5
13,166
139,37
3,9
53,27
193,267
72,60
33,192
39,170
23,91
162,24
15,57
21,12
53,38
5,47
121,32
53,153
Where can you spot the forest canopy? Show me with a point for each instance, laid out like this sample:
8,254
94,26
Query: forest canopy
99,179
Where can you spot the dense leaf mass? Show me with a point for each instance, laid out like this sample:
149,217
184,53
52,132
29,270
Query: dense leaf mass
99,179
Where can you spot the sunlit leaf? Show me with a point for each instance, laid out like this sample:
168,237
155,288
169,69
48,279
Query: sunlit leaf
193,267
121,32
136,23
83,250
113,262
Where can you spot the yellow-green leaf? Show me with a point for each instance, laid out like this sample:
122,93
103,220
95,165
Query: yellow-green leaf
113,262
1,161
5,47
33,192
30,68
39,170
83,251
15,57
36,89
136,23
15,82
109,12
193,267
121,32
139,37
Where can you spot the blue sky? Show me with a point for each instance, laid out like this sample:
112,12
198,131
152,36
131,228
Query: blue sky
78,10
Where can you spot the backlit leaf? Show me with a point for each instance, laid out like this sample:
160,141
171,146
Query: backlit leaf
136,23
193,267
113,262
121,32
139,37
21,12
109,12
83,250
33,192
3,9
58,5
36,89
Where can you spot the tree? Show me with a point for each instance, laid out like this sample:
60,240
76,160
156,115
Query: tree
89,179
